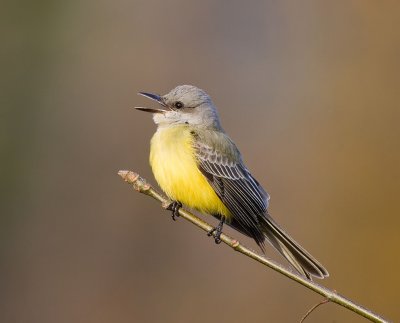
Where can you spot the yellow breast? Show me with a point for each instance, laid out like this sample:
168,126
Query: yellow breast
173,161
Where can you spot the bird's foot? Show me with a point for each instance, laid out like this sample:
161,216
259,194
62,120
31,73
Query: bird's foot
174,207
217,231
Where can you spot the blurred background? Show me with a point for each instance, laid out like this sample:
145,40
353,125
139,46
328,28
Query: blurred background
309,92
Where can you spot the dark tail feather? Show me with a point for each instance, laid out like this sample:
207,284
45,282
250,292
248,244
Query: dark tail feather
304,263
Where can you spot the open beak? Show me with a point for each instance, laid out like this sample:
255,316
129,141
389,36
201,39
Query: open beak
154,97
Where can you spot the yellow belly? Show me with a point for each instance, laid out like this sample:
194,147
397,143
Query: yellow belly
172,158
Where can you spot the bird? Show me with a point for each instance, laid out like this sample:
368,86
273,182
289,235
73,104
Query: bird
198,165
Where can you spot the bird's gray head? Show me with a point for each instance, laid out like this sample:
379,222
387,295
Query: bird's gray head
185,104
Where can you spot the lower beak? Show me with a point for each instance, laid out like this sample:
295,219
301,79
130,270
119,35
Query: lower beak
154,97
151,110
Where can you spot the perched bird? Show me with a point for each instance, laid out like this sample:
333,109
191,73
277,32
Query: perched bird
196,164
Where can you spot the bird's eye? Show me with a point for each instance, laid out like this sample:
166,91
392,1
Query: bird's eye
178,105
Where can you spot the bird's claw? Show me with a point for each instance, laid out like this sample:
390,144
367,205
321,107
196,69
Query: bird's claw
216,232
174,207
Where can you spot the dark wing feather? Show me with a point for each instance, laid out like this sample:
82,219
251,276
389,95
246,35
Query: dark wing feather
248,202
235,186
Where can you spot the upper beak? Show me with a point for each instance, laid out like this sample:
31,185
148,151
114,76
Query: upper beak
156,98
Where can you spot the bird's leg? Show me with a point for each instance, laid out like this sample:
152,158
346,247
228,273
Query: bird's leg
174,207
217,230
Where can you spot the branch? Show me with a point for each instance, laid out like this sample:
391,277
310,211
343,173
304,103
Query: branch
141,185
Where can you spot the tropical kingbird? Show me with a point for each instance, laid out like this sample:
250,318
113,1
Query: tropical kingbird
198,165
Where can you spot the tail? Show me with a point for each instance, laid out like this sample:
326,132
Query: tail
304,263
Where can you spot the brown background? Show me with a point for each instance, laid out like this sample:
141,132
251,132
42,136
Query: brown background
308,90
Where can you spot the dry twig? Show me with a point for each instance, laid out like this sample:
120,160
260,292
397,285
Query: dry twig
141,185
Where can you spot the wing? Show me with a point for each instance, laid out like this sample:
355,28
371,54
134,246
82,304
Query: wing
233,183
219,160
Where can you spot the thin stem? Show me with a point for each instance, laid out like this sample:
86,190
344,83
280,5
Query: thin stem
312,309
142,186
